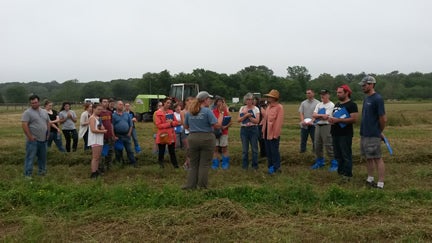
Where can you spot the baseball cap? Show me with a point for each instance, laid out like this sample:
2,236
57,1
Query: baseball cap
204,95
324,91
367,80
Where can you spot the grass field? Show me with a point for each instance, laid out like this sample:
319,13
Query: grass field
146,204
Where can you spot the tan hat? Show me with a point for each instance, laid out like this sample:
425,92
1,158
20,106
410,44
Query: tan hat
273,93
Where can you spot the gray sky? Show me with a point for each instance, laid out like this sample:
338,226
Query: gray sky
45,40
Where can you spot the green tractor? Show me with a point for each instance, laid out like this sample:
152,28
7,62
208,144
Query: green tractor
145,105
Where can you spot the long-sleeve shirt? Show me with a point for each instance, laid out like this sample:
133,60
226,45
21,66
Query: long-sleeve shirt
272,121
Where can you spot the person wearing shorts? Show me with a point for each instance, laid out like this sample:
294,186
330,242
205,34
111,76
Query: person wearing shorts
221,149
372,125
96,139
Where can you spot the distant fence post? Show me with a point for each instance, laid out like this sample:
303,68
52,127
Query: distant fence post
13,106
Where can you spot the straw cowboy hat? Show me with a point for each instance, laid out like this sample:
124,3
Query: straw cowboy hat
273,93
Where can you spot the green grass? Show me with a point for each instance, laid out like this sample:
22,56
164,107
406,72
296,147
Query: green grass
147,205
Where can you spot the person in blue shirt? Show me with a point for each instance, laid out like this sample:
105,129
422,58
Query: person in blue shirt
123,126
200,121
372,125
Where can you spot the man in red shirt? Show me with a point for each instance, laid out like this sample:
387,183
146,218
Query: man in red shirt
109,138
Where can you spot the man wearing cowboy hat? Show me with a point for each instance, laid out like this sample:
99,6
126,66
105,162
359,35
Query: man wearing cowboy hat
272,122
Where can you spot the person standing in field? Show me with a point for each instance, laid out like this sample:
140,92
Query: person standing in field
134,133
249,117
181,139
183,112
68,118
323,138
345,114
258,103
155,145
165,123
36,126
109,138
221,148
96,133
307,129
273,116
55,131
84,124
123,126
372,125
200,121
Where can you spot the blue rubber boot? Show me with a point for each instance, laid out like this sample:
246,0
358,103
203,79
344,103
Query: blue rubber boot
271,170
215,164
319,162
225,162
333,166
137,149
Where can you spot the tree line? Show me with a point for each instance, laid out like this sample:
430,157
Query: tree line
261,79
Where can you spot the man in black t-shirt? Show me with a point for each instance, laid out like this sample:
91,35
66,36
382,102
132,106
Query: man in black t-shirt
345,114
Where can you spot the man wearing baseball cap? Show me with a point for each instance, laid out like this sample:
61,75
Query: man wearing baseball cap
323,139
372,125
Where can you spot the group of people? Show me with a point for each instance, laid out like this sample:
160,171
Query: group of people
201,127
330,127
101,127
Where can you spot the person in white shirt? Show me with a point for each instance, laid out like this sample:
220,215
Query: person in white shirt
323,138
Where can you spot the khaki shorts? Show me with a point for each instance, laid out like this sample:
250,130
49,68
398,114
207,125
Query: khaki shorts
222,141
370,147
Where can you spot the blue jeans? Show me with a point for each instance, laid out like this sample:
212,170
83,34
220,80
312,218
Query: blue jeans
249,135
342,148
304,133
127,146
56,137
272,151
35,149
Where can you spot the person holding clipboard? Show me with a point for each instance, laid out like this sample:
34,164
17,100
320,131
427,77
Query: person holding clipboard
249,117
221,134
345,114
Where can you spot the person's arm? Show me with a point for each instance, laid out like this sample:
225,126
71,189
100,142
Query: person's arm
182,118
94,128
48,128
256,119
174,122
382,122
161,121
218,124
279,121
61,118
185,121
27,132
84,119
243,110
73,116
302,117
54,124
130,125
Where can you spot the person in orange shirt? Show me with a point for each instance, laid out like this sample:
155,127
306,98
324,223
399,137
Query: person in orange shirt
165,122
273,116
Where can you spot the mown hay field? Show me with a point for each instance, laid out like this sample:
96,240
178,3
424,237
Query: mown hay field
146,204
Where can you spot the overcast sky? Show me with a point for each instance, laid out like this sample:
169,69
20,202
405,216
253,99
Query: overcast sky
91,40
